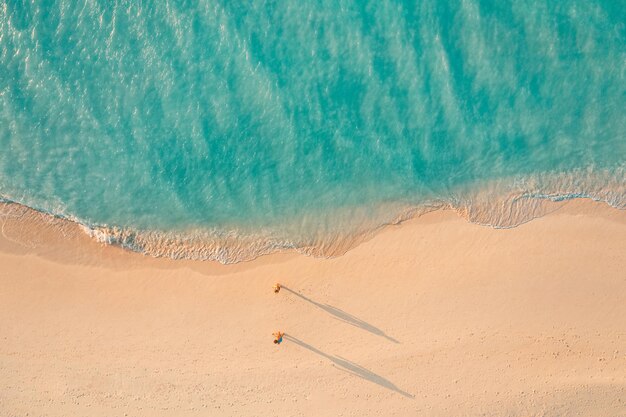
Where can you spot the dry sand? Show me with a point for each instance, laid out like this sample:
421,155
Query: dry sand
435,317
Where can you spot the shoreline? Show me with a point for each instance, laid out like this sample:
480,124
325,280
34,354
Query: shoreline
434,317
207,248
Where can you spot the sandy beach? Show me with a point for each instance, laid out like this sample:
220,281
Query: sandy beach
433,317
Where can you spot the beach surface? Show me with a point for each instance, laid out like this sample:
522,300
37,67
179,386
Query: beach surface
433,317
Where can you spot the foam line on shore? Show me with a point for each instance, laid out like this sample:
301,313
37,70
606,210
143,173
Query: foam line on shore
502,204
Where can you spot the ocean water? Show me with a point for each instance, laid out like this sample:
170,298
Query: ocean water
225,129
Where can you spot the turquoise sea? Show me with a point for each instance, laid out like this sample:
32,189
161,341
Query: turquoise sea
223,130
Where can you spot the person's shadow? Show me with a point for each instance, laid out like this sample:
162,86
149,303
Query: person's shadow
343,316
351,367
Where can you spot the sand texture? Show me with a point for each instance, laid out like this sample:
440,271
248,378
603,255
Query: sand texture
434,317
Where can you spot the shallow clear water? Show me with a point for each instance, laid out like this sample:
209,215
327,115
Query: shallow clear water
286,121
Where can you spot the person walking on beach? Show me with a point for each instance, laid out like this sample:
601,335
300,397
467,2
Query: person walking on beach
278,337
276,288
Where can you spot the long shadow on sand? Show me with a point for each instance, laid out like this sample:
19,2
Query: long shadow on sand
343,316
351,367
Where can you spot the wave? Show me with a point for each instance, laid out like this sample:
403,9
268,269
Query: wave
499,204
